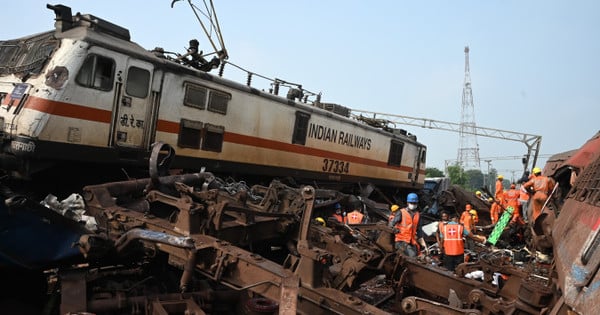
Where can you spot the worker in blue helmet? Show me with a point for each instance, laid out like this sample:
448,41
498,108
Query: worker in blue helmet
406,221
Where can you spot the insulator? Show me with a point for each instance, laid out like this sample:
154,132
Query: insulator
221,69
276,86
249,79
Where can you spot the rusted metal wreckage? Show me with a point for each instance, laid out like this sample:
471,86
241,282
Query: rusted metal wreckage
194,243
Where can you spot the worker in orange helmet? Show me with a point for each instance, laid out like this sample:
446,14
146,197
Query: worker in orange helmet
542,186
499,195
408,224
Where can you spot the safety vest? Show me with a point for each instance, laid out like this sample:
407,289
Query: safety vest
453,239
407,227
339,218
354,217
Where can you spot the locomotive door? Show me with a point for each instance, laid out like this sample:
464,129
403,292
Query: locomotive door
133,114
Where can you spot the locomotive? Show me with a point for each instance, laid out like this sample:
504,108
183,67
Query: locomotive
85,93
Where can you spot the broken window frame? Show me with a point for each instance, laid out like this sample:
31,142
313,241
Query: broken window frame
95,78
395,155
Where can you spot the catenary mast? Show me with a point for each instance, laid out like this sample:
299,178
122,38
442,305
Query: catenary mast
468,150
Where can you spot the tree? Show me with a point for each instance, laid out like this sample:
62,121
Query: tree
474,179
457,175
433,172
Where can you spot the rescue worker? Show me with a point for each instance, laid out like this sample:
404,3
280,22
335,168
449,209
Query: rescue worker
393,210
440,227
355,217
466,220
495,210
542,186
475,217
453,243
499,195
511,199
523,201
407,223
339,215
479,195
320,221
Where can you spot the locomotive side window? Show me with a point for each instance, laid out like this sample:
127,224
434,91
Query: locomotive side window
213,138
423,155
204,98
395,157
138,80
300,128
97,72
217,102
190,134
195,96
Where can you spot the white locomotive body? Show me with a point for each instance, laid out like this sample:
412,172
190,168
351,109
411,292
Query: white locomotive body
86,93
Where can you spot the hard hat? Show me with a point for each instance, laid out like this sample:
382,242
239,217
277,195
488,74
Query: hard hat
412,198
473,212
478,193
320,221
338,206
490,199
395,208
537,170
500,177
468,207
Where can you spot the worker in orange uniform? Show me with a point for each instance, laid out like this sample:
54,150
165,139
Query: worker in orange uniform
466,219
339,215
523,201
495,210
499,195
453,244
541,185
406,222
511,199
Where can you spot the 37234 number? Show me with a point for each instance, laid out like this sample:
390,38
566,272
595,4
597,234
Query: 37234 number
335,166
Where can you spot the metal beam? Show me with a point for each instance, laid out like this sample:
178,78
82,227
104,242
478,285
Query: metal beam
532,142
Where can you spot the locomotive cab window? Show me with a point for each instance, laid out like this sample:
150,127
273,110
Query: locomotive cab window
97,72
395,157
138,81
300,128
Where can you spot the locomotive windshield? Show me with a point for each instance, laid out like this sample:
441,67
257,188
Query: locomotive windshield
26,56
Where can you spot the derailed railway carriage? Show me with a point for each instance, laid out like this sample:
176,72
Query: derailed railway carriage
85,92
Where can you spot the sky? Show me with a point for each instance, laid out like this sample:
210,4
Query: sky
534,65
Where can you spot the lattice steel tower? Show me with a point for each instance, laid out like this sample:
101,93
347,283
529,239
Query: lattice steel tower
468,150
